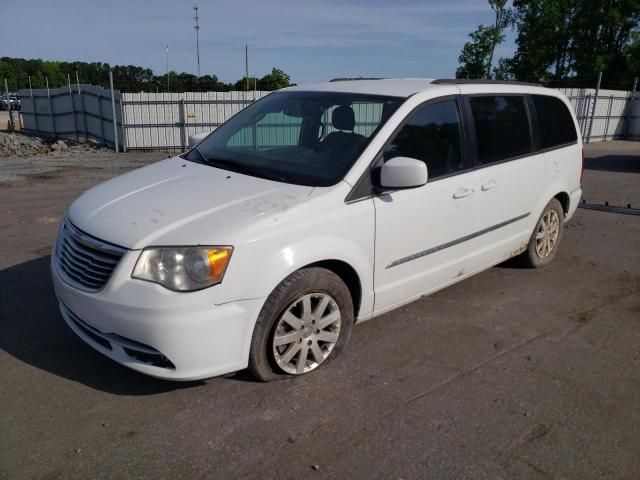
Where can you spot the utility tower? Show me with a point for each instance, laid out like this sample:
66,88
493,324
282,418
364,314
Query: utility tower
196,26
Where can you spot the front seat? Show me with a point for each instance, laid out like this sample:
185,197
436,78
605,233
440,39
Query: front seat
343,119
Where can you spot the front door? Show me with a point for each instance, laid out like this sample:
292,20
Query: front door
420,233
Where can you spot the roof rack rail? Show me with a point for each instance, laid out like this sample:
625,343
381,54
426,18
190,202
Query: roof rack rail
351,79
454,81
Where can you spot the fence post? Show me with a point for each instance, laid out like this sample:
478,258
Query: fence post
122,124
53,117
113,113
586,104
593,110
631,106
606,128
73,108
33,105
183,126
102,137
6,89
82,107
582,120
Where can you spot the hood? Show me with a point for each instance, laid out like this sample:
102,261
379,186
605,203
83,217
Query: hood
177,202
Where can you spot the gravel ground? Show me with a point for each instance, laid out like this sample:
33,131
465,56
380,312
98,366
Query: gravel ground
513,373
87,167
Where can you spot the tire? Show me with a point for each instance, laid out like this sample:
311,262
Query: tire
544,242
318,334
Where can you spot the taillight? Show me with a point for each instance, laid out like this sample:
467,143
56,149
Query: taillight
582,167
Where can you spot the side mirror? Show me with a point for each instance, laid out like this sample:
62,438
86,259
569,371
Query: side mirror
403,172
196,138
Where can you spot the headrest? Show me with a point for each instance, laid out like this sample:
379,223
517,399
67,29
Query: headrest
343,118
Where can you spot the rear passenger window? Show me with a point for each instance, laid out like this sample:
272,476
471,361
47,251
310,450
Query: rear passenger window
554,121
433,134
502,127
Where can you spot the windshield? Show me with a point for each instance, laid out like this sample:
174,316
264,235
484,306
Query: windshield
306,138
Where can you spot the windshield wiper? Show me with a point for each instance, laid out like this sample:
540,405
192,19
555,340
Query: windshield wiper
233,166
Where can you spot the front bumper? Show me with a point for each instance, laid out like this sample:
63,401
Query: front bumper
143,326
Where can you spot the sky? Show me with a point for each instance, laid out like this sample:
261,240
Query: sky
311,40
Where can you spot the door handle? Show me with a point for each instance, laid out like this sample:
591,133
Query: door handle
491,184
462,193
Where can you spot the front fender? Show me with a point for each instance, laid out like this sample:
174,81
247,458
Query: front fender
345,233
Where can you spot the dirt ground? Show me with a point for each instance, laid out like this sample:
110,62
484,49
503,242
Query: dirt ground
513,373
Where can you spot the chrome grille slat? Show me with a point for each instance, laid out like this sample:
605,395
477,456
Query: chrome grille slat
83,273
84,250
80,261
70,270
84,261
72,274
97,271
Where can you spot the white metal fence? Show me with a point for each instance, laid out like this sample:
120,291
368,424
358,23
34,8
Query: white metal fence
84,111
165,120
615,113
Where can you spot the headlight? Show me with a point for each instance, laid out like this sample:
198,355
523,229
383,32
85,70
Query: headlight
183,269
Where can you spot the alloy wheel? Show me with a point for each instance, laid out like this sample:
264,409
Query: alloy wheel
547,233
306,333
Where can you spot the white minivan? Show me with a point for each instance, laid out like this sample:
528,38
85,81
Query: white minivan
312,209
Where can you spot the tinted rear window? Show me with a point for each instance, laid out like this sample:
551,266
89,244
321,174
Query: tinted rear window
555,122
502,127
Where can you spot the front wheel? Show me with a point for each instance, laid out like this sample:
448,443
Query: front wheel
546,236
305,322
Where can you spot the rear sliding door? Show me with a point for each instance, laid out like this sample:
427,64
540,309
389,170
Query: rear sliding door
510,176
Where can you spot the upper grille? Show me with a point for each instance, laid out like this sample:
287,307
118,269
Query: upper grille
84,261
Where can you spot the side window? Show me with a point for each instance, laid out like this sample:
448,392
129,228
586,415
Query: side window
502,127
433,134
555,122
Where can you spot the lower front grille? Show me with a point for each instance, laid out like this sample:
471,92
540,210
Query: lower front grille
84,261
135,350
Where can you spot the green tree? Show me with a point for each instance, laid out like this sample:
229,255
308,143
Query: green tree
246,84
127,78
573,39
632,54
275,80
476,58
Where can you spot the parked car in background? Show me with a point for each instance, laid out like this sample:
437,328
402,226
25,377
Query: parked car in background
313,209
12,101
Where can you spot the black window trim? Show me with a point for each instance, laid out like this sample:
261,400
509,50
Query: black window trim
472,128
533,129
532,107
365,186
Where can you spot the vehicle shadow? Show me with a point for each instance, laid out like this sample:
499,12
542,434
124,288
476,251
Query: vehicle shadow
33,331
613,163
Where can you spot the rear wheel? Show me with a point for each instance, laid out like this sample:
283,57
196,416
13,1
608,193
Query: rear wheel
305,322
546,236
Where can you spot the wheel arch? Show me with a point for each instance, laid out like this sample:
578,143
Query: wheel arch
558,189
349,276
565,201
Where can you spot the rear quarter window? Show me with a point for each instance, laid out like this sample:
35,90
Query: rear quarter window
555,122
